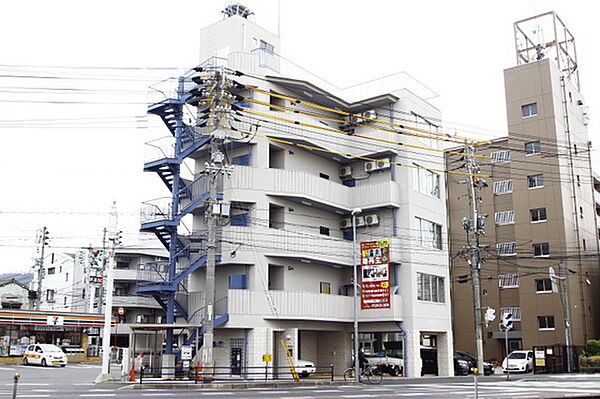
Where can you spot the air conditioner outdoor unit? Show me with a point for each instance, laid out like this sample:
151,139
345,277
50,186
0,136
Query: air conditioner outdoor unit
360,221
370,166
346,223
371,114
346,171
383,163
372,220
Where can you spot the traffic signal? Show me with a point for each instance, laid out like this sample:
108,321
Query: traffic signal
100,258
507,321
46,237
96,258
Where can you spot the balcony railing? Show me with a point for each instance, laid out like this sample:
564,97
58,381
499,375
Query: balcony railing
307,306
311,187
125,274
156,210
160,148
152,272
135,301
197,306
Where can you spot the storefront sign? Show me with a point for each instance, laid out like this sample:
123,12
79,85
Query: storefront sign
375,274
51,328
186,352
55,320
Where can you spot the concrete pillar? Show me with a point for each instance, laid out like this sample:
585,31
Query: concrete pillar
168,364
412,352
445,354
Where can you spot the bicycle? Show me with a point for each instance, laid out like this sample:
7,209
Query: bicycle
373,374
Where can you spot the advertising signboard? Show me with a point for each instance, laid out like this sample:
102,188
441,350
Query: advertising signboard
375,274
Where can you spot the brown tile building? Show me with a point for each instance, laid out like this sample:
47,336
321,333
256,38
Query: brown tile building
540,206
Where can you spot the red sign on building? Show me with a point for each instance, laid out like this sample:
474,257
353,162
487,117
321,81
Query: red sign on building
375,274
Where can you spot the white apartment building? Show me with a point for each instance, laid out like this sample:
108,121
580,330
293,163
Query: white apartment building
61,280
286,252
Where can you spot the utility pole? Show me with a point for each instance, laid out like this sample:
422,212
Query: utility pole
564,295
43,242
474,222
90,269
108,311
215,169
114,238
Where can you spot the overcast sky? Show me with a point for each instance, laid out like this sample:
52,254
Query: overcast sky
72,138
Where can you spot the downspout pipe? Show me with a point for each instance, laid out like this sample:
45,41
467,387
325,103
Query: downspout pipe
404,346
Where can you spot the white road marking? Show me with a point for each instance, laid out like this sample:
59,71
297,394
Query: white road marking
158,394
98,395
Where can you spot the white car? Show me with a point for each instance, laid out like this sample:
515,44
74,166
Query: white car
304,368
518,361
45,355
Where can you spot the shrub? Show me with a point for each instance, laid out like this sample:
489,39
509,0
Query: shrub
592,348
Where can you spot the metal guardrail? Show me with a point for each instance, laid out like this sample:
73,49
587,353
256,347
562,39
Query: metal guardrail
202,375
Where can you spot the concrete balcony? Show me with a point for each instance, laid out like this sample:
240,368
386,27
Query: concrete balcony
299,245
306,306
597,197
135,301
301,186
125,274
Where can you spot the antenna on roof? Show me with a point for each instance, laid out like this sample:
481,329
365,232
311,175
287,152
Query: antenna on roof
541,44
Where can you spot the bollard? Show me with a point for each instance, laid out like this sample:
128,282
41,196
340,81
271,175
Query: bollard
14,395
475,372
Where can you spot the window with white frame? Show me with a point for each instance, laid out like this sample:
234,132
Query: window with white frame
501,156
541,249
514,311
535,181
430,288
532,148
508,281
546,323
505,217
528,110
506,248
503,187
543,285
538,215
429,234
427,182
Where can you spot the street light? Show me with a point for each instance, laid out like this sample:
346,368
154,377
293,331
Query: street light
355,266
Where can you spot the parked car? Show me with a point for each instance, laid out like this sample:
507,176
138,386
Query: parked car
518,361
462,364
488,368
393,365
45,355
304,368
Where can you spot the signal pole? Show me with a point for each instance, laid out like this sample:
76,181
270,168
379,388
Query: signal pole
473,227
564,294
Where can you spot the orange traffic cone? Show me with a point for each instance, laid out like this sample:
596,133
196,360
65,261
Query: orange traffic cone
132,374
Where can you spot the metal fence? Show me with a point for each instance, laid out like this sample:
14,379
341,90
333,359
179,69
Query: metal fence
196,375
554,358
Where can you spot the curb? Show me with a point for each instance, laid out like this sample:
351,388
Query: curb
234,385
